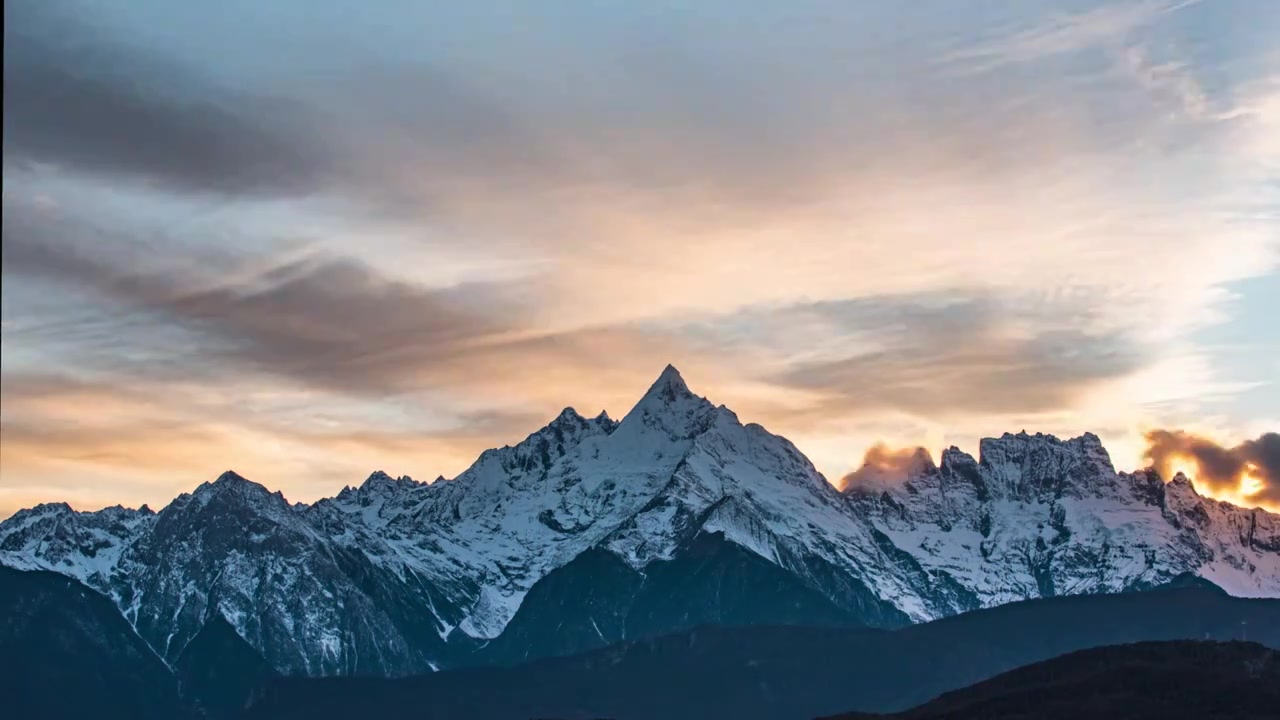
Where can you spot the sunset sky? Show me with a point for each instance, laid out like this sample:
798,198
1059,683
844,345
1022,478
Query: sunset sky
312,239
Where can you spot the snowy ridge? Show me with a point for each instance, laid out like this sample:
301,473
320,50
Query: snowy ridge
1037,516
398,576
87,546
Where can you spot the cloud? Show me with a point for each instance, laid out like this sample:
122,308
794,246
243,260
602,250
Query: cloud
76,99
1065,33
336,325
1247,473
1174,80
150,311
328,320
148,439
417,136
884,467
964,353
732,124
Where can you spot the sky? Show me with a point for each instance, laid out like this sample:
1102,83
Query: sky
307,240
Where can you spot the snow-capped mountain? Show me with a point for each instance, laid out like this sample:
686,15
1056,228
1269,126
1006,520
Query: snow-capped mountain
1037,516
309,601
397,576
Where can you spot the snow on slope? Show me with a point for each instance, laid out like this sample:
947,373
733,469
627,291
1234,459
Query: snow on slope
231,547
85,546
388,577
1240,548
1037,516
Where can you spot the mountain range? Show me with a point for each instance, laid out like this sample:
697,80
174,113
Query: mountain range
593,531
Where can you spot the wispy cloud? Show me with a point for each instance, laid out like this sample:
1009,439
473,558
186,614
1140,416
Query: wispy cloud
1062,33
328,320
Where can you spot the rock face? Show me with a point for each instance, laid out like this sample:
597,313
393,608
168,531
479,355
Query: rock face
695,516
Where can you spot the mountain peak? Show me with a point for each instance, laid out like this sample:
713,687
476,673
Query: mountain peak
670,404
230,476
570,415
377,478
231,483
55,508
571,421
379,481
669,386
667,395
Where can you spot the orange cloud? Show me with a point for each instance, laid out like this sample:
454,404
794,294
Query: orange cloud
94,445
883,466
1246,474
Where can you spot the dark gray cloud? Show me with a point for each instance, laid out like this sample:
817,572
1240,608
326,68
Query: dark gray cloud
337,322
331,321
75,97
940,353
655,105
1219,467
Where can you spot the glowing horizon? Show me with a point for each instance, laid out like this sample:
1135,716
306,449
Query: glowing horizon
1245,492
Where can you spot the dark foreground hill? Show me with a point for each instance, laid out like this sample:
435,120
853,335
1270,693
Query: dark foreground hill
783,672
66,652
1182,680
